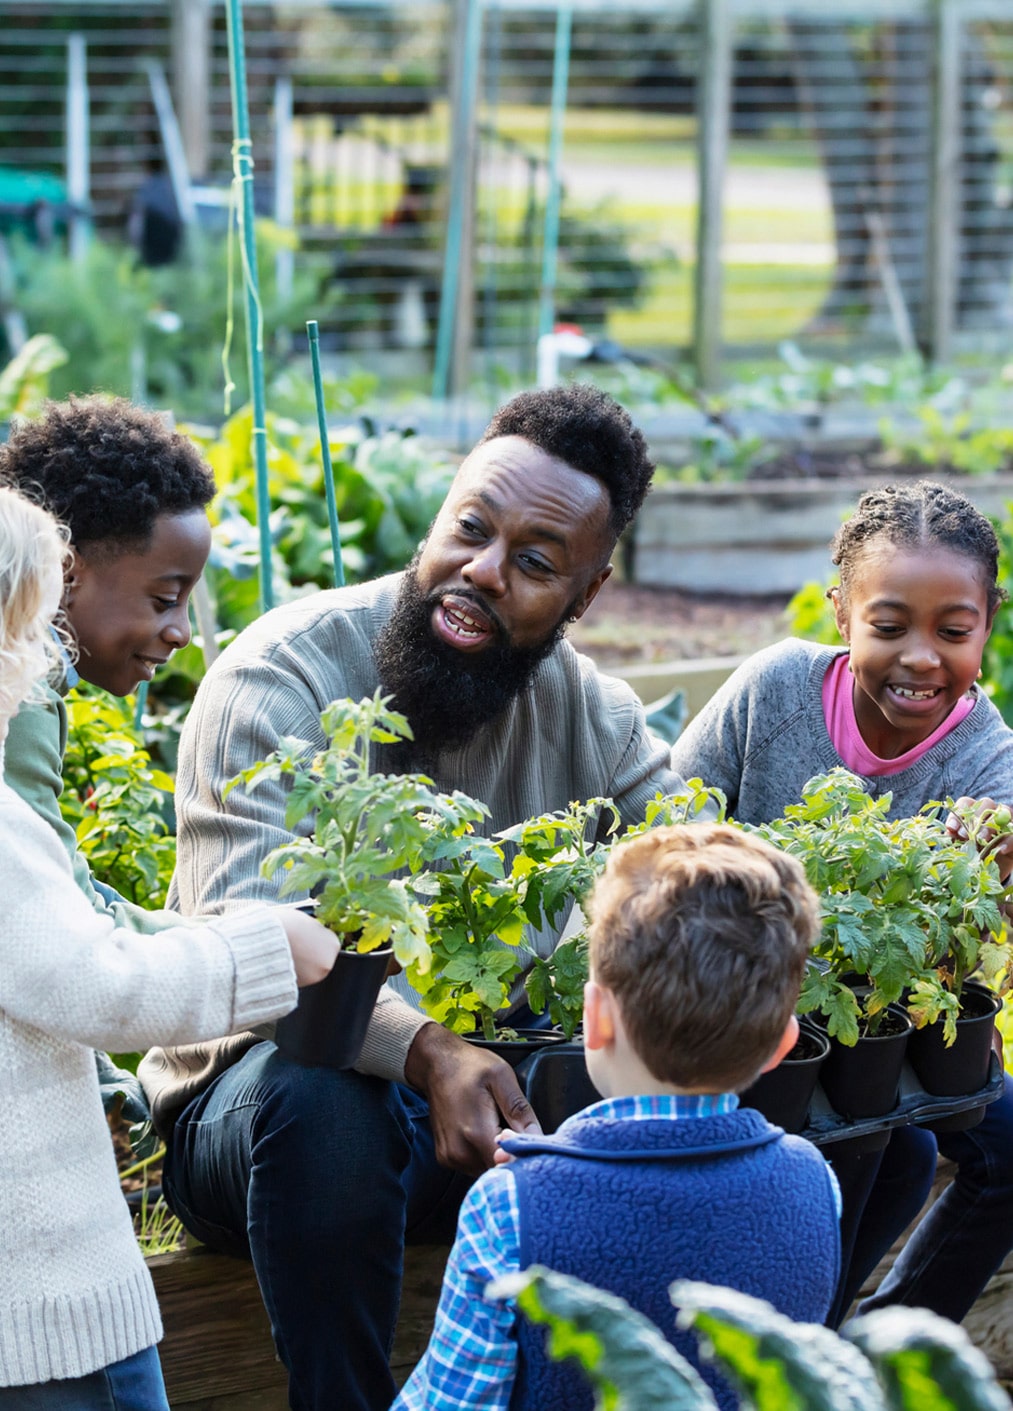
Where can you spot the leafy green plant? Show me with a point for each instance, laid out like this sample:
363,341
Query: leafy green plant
895,1359
388,487
479,905
478,909
158,333
24,382
904,905
476,926
117,801
811,615
368,827
951,442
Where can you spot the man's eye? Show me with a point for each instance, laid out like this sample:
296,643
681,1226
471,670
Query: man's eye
535,565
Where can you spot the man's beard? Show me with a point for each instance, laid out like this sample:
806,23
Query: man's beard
446,694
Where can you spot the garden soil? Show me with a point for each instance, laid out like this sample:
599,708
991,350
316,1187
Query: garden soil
629,625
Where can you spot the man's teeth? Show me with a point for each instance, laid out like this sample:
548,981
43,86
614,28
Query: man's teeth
464,624
910,695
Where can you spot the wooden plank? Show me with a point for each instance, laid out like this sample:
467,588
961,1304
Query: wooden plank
217,1353
217,1335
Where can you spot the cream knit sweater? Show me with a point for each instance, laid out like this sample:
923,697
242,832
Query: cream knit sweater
74,1292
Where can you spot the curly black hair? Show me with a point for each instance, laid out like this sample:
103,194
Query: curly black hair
106,469
589,430
923,513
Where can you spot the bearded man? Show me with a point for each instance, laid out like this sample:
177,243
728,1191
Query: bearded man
321,1175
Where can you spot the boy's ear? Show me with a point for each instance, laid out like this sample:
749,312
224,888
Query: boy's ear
787,1042
599,1016
75,570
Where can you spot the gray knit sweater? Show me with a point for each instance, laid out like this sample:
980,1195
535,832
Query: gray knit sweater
574,735
763,736
74,1292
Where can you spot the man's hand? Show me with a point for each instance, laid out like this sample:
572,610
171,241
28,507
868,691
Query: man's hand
471,1093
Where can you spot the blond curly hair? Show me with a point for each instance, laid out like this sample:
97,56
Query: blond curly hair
33,555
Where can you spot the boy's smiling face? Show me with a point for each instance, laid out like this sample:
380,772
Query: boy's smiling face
128,608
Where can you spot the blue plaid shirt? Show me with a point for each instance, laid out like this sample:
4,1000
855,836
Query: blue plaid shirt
471,1359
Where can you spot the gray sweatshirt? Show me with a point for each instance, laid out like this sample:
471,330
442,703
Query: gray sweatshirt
763,736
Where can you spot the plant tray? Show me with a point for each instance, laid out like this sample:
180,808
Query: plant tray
556,1083
914,1107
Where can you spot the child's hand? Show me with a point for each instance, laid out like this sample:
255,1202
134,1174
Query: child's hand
499,1156
991,826
314,948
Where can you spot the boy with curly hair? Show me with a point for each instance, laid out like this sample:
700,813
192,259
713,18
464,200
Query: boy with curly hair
698,942
133,495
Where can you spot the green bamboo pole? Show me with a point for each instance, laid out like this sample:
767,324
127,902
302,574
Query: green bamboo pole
242,166
550,242
313,329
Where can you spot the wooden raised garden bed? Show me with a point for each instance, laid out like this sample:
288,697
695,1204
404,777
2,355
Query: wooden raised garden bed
217,1353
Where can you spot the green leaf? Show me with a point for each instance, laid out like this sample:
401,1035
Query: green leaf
625,1357
779,1365
926,1363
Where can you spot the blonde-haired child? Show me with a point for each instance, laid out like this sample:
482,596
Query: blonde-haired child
78,1316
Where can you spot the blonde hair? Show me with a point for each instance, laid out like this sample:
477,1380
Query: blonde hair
701,931
33,549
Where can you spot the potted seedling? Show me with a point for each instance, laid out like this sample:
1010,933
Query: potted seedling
373,836
908,913
482,899
950,1050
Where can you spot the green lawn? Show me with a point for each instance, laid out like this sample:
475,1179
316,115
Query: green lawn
764,300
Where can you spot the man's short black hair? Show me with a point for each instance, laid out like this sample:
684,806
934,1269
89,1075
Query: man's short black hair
585,427
105,468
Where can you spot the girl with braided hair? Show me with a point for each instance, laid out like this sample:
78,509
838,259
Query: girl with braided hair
898,705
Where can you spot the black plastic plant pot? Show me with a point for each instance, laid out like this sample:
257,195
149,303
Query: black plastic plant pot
557,1083
515,1050
328,1025
864,1080
783,1095
963,1067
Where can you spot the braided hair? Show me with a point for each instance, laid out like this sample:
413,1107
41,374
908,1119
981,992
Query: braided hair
911,516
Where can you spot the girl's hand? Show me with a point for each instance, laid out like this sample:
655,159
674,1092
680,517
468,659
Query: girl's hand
990,825
314,948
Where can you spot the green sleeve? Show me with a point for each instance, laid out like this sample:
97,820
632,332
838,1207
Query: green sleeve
33,767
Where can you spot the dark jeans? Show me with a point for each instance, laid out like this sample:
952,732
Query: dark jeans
858,1166
319,1176
954,1251
135,1384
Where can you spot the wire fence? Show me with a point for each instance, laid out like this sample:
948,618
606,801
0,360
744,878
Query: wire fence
727,176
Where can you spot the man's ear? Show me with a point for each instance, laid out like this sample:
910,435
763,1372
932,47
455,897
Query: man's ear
787,1042
599,1016
589,594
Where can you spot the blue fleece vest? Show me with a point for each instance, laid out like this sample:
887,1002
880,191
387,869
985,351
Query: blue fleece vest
630,1206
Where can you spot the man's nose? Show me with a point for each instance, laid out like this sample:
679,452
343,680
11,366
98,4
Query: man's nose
486,570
